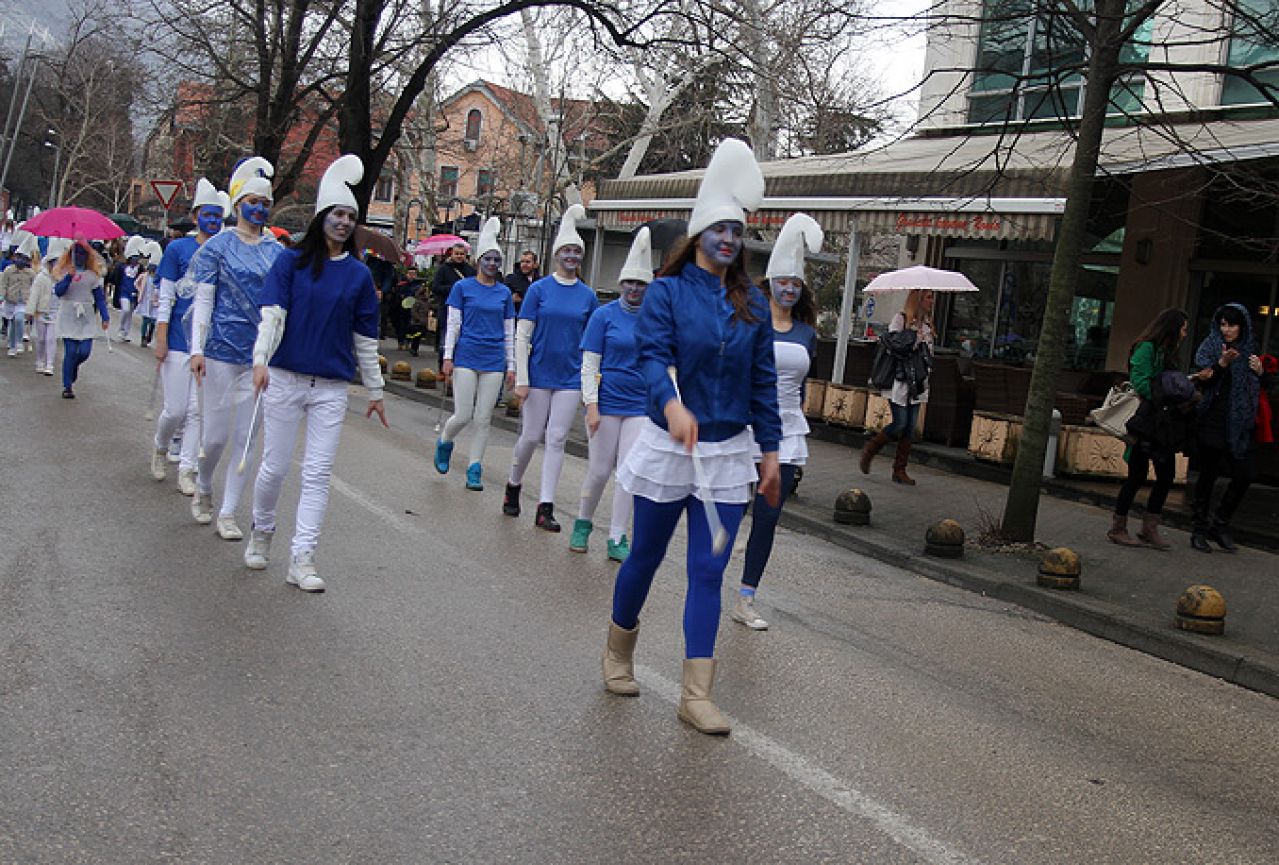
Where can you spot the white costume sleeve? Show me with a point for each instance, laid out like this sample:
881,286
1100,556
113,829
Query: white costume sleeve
523,338
452,330
508,331
590,377
168,294
201,315
370,370
270,332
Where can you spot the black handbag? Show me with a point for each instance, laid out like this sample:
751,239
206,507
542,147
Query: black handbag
883,369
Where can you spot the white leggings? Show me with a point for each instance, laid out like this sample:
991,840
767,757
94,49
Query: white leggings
46,344
474,395
228,412
288,400
608,448
181,412
126,318
549,414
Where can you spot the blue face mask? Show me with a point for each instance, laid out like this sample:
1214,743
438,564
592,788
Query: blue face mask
209,220
20,261
255,214
81,256
721,242
786,291
491,264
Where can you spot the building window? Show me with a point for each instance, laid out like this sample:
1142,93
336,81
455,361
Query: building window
448,181
474,119
1252,44
385,188
484,182
1022,62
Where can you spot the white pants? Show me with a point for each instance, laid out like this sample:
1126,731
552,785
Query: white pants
608,448
181,412
46,343
549,414
126,317
228,414
288,400
474,395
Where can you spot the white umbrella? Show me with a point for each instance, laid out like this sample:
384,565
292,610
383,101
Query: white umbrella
919,278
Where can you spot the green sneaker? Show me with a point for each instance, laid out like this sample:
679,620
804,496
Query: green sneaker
618,550
581,532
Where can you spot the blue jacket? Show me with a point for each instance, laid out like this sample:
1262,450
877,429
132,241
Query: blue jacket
727,375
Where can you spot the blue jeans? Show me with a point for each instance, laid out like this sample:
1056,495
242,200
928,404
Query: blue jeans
654,524
15,334
74,353
904,419
764,518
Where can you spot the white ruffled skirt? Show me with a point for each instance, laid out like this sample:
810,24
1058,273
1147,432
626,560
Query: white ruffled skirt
661,470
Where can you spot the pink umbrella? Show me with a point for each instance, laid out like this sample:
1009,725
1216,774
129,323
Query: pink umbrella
73,222
438,243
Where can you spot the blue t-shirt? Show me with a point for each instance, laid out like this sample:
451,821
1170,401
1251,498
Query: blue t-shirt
561,312
128,289
610,333
177,258
322,314
481,344
236,270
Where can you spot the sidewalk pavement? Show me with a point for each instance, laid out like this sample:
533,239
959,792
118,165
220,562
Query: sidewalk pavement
1127,595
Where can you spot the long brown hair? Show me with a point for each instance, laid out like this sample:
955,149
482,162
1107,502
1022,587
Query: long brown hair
737,282
1164,331
910,309
804,310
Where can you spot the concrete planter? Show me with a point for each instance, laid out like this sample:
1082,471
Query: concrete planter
845,405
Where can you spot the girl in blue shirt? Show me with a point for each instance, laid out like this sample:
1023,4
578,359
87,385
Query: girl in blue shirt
614,392
479,352
703,322
548,367
319,320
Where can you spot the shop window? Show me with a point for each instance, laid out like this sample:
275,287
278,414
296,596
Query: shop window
484,181
448,181
1252,42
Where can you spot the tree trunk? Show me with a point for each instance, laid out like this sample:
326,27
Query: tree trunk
1022,506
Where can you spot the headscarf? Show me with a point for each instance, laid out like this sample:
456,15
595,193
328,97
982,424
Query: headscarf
1241,414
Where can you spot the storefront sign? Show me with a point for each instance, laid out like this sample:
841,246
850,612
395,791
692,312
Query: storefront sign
956,224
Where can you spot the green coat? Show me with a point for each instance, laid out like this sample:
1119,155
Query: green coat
1146,362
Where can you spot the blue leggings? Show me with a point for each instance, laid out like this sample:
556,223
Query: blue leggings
904,419
74,353
654,524
764,517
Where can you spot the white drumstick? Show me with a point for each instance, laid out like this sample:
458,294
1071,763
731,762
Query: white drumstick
253,419
719,537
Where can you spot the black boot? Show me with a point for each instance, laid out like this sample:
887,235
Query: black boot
1199,540
546,517
511,502
1220,533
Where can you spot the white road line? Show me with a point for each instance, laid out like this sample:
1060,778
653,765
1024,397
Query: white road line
794,766
808,774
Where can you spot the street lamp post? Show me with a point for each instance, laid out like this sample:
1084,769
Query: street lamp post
408,208
448,213
57,162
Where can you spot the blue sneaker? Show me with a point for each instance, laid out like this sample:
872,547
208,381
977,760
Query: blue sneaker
473,481
443,453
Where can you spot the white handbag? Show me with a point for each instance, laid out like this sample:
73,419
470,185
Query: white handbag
1120,405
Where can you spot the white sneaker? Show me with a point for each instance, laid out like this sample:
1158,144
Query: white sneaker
48,370
186,482
202,508
227,529
302,573
158,465
745,613
13,352
257,555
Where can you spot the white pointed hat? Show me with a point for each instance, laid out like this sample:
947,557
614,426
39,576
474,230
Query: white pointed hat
134,246
251,177
639,261
800,232
568,235
154,252
732,185
489,235
57,246
27,244
335,186
225,201
206,195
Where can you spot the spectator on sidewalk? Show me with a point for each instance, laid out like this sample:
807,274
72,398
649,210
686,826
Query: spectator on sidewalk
1232,376
910,342
455,267
1160,427
520,279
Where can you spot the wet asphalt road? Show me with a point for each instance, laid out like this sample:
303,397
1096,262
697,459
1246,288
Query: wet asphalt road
442,701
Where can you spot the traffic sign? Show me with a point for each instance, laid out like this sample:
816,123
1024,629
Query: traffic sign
166,191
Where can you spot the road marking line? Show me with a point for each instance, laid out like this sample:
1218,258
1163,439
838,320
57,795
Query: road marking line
808,774
382,511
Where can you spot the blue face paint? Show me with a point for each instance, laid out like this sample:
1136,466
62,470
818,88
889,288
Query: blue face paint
81,256
254,213
338,224
786,291
721,242
209,220
632,292
569,258
20,261
491,263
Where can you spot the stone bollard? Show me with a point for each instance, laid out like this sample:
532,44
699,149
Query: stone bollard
401,371
852,508
426,379
1201,609
381,362
1059,569
944,540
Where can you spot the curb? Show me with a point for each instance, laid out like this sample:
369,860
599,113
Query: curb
1251,669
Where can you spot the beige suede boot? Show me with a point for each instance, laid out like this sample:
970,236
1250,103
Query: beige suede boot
619,663
695,706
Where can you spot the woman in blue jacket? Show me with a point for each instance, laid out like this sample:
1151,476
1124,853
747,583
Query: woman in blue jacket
704,324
